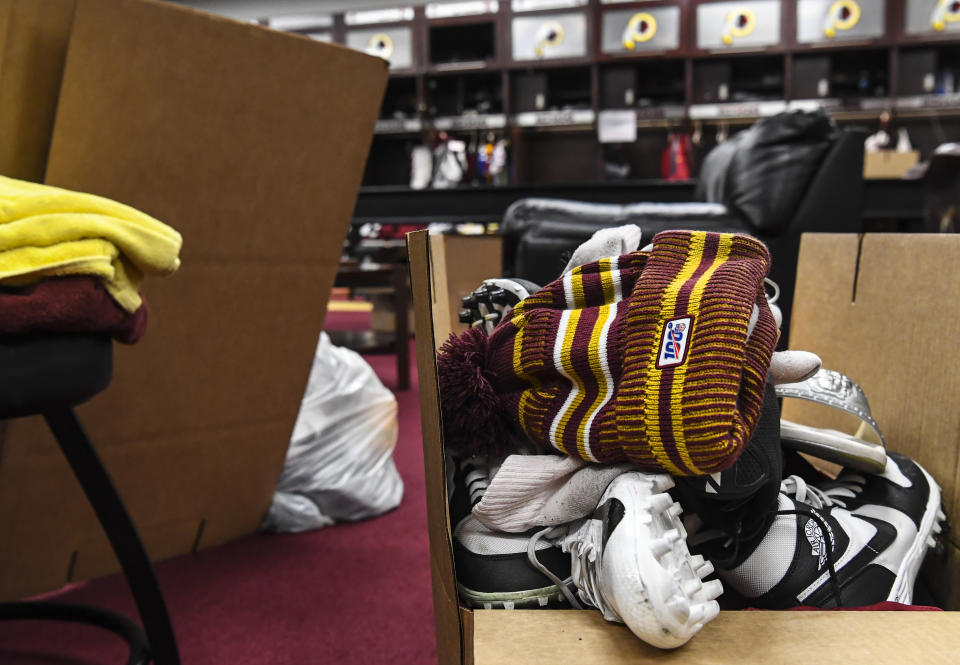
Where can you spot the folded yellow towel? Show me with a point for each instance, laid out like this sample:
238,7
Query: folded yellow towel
47,231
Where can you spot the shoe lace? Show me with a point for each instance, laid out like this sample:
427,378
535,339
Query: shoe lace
845,487
553,532
804,493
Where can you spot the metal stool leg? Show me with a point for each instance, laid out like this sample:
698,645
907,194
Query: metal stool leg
117,624
120,530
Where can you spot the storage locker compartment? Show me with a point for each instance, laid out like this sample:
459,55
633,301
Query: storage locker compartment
722,25
454,95
400,99
844,74
740,79
463,43
394,44
929,70
827,21
389,161
537,158
643,84
640,30
562,89
549,36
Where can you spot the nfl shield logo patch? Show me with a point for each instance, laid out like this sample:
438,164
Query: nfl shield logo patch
674,342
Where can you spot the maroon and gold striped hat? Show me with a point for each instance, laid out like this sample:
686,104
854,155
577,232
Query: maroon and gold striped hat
644,358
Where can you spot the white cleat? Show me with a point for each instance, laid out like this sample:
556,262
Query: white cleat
662,482
631,561
712,589
660,503
705,569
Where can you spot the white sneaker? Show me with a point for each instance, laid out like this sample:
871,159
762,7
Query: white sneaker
630,560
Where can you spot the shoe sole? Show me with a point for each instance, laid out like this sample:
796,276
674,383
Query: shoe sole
931,524
671,603
532,598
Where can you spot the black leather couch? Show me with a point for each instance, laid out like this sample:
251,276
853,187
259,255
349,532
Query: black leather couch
786,175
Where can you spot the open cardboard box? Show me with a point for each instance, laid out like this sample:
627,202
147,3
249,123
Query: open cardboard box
251,143
875,308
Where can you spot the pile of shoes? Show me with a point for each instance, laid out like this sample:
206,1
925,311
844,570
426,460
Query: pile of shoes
615,442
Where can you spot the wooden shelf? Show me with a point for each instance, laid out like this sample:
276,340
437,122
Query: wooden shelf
862,78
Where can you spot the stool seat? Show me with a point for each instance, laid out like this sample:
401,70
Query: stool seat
50,371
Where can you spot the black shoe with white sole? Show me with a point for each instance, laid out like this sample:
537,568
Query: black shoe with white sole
819,554
493,568
906,497
740,499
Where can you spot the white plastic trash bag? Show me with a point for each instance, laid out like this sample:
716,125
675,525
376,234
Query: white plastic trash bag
339,465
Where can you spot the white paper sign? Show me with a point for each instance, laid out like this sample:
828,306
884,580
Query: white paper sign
617,126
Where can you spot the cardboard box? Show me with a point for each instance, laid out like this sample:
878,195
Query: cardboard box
888,163
826,321
251,143
465,261
33,48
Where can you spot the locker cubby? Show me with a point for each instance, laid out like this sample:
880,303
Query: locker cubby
462,43
400,99
389,161
560,89
452,95
929,70
644,84
851,74
739,79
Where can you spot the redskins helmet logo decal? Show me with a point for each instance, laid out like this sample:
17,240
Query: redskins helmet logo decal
549,35
945,11
640,28
842,15
380,45
740,23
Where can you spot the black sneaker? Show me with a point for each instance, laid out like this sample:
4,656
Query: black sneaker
906,497
816,553
494,569
741,498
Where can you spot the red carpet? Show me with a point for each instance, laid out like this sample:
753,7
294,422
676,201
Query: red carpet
353,593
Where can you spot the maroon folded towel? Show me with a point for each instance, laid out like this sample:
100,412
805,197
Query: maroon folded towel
69,304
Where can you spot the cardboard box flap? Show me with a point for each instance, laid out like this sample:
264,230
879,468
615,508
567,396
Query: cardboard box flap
33,48
882,309
863,304
465,261
251,143
450,646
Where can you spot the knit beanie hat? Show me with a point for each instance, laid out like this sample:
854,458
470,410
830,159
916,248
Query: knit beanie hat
643,358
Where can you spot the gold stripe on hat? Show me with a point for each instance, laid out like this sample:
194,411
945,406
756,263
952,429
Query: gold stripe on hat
607,268
520,322
652,390
576,298
680,373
